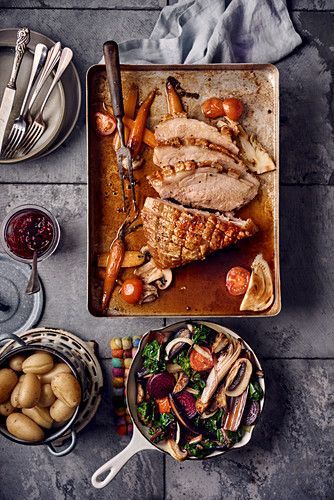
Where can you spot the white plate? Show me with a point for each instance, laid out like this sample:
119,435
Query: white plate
62,109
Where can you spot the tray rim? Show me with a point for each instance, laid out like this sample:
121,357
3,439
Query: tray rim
276,307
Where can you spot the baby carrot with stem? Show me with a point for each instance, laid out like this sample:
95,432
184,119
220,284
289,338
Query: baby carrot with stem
137,132
114,263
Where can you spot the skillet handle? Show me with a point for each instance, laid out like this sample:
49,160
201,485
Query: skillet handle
110,50
137,443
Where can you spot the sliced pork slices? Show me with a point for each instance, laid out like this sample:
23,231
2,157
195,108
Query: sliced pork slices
181,127
176,235
206,185
196,150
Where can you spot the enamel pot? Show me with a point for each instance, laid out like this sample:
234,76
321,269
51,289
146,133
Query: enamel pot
19,346
140,439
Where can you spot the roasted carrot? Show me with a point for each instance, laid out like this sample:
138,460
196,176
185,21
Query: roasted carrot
174,101
137,132
163,405
129,110
148,138
132,258
114,263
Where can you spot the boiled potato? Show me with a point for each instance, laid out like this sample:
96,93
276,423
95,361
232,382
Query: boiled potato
66,388
58,368
8,380
60,412
30,391
24,428
14,397
47,396
6,408
39,415
15,363
38,363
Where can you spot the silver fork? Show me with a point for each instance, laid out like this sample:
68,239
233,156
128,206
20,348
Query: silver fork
20,125
51,60
38,126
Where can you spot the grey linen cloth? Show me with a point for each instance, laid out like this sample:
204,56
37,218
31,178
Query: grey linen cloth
214,31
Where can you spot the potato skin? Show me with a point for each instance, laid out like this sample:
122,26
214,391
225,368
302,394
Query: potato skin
24,428
8,380
66,388
15,362
41,416
30,391
47,396
6,408
38,363
46,378
60,412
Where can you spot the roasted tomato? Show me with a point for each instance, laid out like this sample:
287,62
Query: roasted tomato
131,290
237,280
233,108
104,124
199,362
213,108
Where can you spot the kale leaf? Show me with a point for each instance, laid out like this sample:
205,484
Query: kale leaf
202,333
255,391
200,450
153,361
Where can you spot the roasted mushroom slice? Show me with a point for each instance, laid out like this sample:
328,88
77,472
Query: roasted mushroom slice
238,377
174,450
220,342
180,339
181,383
234,416
148,272
165,280
148,294
140,393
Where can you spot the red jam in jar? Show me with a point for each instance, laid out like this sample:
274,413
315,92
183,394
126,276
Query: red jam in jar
28,231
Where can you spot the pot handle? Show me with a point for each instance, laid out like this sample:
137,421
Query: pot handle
137,443
11,336
67,450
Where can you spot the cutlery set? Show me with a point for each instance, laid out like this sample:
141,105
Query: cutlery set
28,129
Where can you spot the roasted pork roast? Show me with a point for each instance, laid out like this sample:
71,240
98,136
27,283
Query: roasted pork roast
176,235
206,185
180,127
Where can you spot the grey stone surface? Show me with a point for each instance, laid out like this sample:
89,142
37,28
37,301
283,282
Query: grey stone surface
291,454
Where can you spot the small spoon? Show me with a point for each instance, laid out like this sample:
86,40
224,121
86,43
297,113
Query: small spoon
33,283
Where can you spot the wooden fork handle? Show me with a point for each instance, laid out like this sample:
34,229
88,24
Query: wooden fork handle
111,56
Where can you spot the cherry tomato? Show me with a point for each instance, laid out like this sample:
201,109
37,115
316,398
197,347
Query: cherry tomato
213,108
131,290
237,280
104,124
233,108
199,362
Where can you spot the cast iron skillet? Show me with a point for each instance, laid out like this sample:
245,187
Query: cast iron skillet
140,439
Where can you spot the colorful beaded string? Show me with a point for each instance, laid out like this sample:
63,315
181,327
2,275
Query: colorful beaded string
122,352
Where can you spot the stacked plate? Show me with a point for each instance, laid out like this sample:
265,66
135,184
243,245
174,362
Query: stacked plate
62,109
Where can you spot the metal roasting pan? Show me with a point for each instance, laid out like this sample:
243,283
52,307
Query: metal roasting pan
198,289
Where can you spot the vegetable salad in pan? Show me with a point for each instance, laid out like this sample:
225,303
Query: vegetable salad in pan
197,392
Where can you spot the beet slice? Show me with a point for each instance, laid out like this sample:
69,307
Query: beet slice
187,402
251,412
160,385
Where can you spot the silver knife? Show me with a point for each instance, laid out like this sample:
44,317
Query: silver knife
23,37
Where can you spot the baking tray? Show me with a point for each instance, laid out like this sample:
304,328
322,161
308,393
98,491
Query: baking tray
198,289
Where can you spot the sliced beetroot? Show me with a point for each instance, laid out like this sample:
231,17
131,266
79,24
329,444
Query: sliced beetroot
187,402
160,385
251,412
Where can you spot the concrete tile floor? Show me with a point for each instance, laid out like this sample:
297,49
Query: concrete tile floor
291,455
